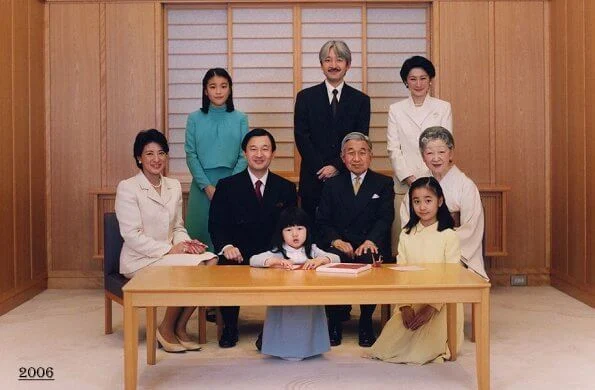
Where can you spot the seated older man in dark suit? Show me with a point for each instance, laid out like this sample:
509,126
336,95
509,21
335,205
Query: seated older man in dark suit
354,218
244,212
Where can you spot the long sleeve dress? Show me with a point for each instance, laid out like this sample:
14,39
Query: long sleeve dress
294,332
428,343
462,196
213,151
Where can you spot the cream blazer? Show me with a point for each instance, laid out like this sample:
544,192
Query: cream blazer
405,124
149,223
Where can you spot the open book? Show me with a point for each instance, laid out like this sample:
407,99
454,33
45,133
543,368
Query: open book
344,268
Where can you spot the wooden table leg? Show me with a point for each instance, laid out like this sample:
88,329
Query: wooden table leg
451,326
202,324
151,328
385,312
473,320
482,340
130,343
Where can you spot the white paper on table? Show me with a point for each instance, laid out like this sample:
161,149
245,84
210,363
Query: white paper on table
407,268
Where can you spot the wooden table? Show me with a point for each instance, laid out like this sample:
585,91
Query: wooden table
246,286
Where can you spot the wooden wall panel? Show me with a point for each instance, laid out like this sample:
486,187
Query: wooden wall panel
575,79
22,136
23,257
130,81
521,126
38,140
7,267
74,133
464,77
589,17
559,179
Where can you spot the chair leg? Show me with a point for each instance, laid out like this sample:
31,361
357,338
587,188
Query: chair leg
385,314
202,324
219,323
108,315
473,319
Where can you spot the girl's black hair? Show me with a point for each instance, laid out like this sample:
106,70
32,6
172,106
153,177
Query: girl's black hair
292,216
205,81
445,220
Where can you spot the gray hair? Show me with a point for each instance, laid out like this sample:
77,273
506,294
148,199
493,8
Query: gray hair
357,136
436,133
341,49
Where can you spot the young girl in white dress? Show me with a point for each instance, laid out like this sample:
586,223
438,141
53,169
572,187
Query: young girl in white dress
294,332
417,333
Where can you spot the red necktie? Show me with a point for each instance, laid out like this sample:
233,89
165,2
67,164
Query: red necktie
257,192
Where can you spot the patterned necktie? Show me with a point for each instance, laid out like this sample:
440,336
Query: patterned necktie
334,103
257,192
356,184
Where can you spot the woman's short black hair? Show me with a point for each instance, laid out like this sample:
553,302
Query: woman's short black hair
292,216
145,137
445,220
258,132
205,81
417,62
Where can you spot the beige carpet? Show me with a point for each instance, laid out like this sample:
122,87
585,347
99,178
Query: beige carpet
540,339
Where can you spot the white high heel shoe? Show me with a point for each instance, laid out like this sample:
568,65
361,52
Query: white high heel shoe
167,346
190,345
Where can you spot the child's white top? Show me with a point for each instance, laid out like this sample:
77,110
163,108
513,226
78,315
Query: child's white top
298,256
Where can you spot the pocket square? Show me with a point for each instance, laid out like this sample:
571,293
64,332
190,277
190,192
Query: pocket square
375,196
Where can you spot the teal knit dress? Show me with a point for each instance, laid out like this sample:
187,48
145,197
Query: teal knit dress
213,151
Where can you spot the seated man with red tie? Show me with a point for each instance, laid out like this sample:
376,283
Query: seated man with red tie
244,213
354,219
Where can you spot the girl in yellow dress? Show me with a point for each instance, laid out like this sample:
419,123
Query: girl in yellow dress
417,333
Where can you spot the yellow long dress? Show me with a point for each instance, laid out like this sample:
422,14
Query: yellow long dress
428,343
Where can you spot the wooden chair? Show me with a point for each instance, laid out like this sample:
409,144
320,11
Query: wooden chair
113,280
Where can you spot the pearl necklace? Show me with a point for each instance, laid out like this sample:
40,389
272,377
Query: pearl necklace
158,185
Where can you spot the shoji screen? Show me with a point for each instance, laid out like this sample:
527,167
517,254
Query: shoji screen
272,52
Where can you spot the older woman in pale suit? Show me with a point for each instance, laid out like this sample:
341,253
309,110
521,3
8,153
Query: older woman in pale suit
149,211
406,120
460,194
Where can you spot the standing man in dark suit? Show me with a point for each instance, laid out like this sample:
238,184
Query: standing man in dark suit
354,218
323,115
244,213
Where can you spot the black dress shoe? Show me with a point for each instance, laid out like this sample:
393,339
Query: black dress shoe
229,337
259,342
366,337
335,333
212,314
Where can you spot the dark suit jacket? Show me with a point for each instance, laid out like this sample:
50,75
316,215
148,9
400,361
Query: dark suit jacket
355,218
318,135
236,217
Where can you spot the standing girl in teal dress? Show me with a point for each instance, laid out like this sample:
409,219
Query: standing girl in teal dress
213,148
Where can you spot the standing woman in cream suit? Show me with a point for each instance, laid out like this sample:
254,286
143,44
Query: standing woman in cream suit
406,121
149,211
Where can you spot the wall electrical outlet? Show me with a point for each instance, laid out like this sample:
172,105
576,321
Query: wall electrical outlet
518,280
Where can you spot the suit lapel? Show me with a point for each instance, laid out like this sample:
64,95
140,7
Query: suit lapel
144,184
165,191
346,95
247,188
324,103
365,193
419,114
271,192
